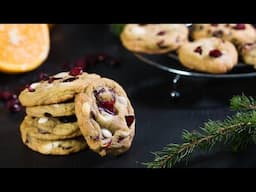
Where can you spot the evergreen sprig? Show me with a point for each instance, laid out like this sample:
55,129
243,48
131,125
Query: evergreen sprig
235,131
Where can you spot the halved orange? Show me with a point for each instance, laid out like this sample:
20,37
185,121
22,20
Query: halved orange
23,47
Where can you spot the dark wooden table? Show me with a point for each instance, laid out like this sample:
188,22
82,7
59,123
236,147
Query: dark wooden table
160,120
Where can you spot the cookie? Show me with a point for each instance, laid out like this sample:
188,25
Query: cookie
50,128
106,117
238,34
154,38
57,147
55,110
57,89
212,55
248,53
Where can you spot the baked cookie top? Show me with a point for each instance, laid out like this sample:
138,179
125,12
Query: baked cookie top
248,53
106,117
54,110
154,38
236,33
212,55
56,89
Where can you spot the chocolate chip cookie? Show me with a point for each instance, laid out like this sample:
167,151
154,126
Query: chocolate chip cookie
106,117
154,38
212,55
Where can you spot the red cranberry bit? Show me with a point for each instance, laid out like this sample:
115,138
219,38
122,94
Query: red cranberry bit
239,27
96,138
218,33
120,139
108,144
105,105
43,77
214,25
5,95
81,63
161,33
215,53
129,120
30,89
198,50
76,71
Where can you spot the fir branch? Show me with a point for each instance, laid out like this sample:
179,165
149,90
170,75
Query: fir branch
243,103
235,131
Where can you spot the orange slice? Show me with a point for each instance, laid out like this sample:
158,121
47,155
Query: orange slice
23,47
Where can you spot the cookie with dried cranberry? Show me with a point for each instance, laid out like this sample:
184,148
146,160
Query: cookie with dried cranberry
238,34
211,55
51,128
54,110
154,38
106,117
248,53
55,147
56,89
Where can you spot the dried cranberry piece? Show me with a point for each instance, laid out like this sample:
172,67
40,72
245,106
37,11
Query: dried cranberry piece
239,27
129,120
96,138
198,50
5,95
43,76
218,33
120,139
214,25
30,89
215,53
81,63
76,71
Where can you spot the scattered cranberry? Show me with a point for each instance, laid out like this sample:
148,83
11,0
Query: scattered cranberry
43,77
161,33
76,71
129,120
108,144
218,33
215,53
120,139
81,63
239,27
5,95
214,25
30,89
198,50
96,138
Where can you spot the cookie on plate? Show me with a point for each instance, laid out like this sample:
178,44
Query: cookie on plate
106,117
57,89
57,147
51,128
154,38
248,53
54,110
211,55
238,34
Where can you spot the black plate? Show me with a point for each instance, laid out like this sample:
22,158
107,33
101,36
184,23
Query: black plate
170,63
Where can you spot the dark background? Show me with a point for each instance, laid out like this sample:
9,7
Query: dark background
160,120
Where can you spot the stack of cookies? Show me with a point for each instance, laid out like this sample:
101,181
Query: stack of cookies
70,110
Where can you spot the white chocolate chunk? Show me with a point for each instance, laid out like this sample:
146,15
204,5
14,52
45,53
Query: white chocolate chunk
61,75
86,108
56,105
138,31
122,100
105,117
14,37
106,133
34,85
42,120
